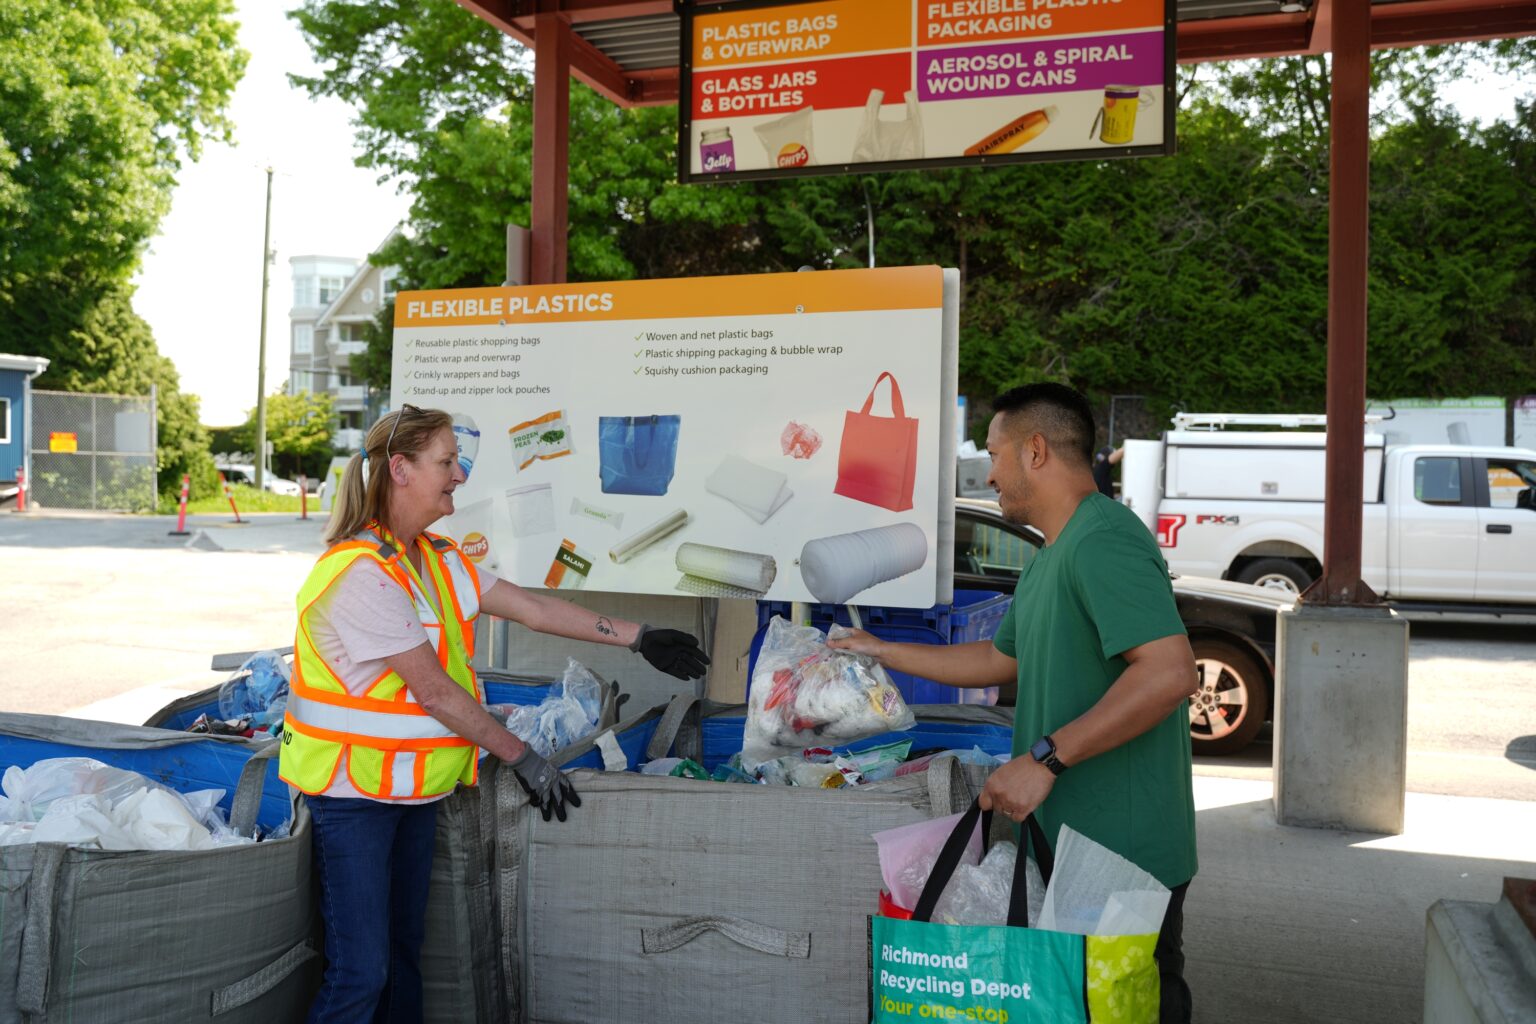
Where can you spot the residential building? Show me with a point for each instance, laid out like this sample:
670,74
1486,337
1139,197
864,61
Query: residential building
334,300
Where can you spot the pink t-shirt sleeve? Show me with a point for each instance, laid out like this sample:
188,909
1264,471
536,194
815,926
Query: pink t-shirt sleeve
370,615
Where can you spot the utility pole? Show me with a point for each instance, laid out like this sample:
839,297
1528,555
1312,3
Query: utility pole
261,361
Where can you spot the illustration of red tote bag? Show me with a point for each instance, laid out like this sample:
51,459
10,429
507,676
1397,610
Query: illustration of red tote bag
877,461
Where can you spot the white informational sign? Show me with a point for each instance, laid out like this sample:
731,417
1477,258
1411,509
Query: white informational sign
778,89
1525,422
1478,420
777,436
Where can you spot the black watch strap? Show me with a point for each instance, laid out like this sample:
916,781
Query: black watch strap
1044,752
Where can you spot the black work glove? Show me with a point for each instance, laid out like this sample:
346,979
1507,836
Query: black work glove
672,651
548,788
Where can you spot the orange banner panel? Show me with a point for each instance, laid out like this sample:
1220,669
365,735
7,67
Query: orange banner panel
952,22
795,32
827,291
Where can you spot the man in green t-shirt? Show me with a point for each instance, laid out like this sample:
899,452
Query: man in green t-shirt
1102,664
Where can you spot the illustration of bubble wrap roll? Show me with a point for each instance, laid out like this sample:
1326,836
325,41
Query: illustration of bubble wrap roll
720,572
632,545
837,568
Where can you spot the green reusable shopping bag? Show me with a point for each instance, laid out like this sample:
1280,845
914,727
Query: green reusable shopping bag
921,971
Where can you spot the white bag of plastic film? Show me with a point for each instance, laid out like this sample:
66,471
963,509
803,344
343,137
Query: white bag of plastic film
788,139
474,525
806,694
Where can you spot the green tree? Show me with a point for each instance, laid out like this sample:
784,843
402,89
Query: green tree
299,428
1199,280
100,102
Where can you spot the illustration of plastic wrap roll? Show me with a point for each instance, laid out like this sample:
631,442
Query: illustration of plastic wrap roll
631,546
838,567
720,572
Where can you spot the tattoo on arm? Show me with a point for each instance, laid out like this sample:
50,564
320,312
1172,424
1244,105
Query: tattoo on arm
605,626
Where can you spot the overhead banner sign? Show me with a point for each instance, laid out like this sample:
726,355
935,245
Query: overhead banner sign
776,89
779,436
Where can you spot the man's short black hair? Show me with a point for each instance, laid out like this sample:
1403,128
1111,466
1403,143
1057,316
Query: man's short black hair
1056,411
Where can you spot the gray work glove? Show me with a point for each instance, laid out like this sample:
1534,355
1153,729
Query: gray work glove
548,788
672,651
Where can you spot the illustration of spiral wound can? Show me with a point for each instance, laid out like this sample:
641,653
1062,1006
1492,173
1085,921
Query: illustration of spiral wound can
837,568
467,436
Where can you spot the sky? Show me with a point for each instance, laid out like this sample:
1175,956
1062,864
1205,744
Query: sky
200,284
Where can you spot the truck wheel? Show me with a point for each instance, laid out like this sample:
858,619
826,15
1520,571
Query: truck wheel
1230,707
1279,573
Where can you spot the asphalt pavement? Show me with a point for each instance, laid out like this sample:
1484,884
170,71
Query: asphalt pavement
109,617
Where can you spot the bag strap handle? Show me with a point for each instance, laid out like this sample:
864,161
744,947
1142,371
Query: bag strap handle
246,806
954,849
682,724
898,409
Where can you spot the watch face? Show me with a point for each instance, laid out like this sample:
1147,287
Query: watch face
1042,749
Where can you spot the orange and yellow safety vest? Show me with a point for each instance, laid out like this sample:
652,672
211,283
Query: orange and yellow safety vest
393,749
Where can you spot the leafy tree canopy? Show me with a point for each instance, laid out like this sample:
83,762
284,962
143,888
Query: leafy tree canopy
1198,280
100,101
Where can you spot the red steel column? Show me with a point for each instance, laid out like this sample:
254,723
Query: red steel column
1348,254
551,146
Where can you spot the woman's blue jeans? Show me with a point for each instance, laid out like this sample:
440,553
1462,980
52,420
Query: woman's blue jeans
374,861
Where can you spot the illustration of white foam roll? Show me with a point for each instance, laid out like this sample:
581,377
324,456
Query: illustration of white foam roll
631,546
838,567
743,569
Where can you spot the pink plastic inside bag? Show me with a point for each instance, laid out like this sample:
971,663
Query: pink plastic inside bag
799,441
922,840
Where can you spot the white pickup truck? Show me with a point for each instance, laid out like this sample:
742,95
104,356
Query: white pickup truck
1447,529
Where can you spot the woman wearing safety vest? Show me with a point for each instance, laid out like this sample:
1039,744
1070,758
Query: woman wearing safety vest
385,716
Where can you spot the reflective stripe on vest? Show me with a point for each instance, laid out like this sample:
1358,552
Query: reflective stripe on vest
391,747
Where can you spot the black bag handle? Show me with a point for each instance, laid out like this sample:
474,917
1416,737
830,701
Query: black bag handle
954,849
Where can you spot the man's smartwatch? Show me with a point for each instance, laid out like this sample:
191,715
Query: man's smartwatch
1044,752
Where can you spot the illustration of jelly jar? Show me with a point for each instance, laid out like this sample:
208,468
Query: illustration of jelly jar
717,151
1116,121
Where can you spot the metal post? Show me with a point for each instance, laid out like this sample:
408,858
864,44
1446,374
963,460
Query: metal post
551,143
1348,252
154,446
869,219
95,447
261,359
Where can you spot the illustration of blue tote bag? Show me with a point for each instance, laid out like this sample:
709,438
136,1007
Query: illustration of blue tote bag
637,454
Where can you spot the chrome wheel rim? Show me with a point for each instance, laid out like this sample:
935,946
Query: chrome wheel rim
1277,581
1221,703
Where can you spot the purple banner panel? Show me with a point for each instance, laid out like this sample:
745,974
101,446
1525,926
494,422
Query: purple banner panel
1055,65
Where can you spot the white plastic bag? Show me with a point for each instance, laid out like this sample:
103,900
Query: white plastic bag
1095,891
889,140
805,694
29,792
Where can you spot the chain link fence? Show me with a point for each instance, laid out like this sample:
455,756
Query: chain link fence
93,451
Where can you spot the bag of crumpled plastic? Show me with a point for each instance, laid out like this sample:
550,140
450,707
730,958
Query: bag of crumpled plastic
806,694
568,714
257,692
83,802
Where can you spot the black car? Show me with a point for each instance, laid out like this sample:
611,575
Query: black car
1231,625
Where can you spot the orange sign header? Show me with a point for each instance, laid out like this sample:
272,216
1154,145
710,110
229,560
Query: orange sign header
767,35
827,291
